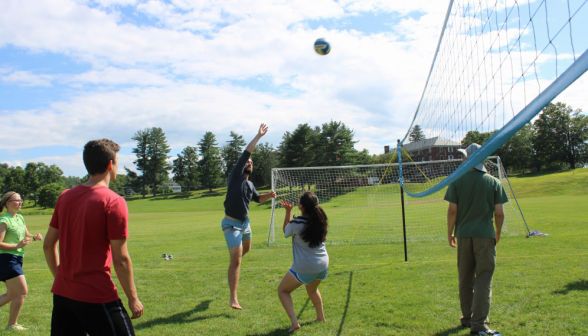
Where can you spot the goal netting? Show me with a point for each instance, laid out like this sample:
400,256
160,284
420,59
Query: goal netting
498,63
363,202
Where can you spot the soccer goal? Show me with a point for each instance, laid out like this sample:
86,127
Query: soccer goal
363,203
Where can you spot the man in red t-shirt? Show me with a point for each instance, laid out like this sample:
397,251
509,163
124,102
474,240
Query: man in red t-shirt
90,224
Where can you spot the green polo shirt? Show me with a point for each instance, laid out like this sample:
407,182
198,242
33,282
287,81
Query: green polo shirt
15,232
475,193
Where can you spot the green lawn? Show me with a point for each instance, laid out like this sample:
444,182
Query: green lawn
540,285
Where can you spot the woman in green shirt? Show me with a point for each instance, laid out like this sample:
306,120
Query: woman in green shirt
13,237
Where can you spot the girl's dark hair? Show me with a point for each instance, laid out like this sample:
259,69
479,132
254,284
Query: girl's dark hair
315,230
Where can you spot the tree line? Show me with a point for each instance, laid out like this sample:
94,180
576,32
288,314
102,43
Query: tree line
208,164
555,140
37,182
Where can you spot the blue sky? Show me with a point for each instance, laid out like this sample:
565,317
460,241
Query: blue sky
76,70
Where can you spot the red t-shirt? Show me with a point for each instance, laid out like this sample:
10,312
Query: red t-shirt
87,219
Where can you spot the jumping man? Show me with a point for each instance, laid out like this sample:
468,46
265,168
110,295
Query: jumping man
235,225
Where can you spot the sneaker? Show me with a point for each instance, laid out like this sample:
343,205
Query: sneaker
15,327
486,332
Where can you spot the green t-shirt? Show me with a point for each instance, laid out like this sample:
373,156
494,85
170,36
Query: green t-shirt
15,232
475,193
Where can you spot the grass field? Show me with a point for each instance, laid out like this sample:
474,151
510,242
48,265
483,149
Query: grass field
540,285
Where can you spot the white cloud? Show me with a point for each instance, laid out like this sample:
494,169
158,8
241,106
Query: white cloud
116,76
27,78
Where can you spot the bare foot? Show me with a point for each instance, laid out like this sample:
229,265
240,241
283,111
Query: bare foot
235,305
293,328
317,320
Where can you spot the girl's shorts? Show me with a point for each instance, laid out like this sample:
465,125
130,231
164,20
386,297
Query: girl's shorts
10,266
306,279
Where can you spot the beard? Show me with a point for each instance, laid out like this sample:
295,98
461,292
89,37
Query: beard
248,170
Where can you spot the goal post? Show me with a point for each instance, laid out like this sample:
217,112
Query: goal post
363,202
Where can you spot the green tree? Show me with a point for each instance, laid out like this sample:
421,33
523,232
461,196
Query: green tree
72,181
119,185
185,167
475,137
49,193
264,158
232,151
134,181
210,164
561,135
4,171
39,174
32,182
334,141
416,134
142,137
157,150
517,152
296,148
15,181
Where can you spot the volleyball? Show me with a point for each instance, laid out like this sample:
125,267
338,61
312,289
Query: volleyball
322,47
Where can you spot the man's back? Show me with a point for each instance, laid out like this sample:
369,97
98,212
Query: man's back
476,193
87,219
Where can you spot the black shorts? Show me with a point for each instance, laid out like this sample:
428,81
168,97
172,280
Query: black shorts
71,317
10,266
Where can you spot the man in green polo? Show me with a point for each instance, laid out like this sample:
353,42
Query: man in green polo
474,199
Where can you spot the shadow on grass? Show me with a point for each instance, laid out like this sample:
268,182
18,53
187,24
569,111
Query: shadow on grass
452,331
580,285
346,303
303,308
181,318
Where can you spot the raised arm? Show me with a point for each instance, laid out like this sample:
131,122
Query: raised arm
451,218
262,131
288,207
498,219
124,272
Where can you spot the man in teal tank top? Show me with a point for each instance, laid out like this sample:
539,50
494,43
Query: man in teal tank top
475,199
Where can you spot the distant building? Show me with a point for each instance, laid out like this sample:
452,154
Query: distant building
434,149
174,186
130,191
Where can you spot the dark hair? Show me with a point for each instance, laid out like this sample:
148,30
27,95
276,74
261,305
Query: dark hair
315,229
98,154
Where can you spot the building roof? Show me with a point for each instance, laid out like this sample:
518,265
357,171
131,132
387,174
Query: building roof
432,142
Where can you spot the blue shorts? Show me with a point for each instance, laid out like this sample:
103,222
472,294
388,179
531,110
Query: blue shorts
235,231
306,279
10,266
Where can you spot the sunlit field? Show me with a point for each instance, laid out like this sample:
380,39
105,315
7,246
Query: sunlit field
540,285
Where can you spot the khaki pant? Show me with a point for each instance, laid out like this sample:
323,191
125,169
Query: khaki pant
476,260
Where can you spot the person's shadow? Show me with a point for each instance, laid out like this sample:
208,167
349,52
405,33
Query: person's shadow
580,285
180,318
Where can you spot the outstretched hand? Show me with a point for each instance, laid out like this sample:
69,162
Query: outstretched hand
287,205
262,130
